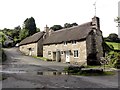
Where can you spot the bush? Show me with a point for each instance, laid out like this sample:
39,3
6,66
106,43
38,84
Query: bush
2,56
114,59
73,69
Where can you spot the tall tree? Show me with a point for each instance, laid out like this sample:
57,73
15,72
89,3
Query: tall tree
29,28
30,25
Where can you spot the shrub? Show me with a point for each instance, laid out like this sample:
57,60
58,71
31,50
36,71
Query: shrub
73,69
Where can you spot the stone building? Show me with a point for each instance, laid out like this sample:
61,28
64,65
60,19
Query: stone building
79,44
32,45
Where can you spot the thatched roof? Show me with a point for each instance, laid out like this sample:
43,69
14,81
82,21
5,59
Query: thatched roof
32,39
74,33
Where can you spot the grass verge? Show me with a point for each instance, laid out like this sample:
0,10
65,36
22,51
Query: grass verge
87,72
42,58
115,45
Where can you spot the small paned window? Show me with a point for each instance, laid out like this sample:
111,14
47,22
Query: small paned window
49,52
75,53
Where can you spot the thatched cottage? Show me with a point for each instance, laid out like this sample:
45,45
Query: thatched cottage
32,45
79,44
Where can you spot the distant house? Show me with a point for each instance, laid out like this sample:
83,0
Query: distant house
79,44
32,45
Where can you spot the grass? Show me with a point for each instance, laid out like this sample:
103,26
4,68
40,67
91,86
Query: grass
96,74
88,72
3,56
2,77
42,58
115,45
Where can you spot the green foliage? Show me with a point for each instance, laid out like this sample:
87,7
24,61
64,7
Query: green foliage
114,59
72,70
115,45
29,28
38,29
42,58
56,27
3,56
2,38
68,25
23,34
13,33
29,24
113,37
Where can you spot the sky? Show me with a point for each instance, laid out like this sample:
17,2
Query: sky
59,12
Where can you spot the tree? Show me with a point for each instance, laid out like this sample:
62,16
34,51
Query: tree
113,37
38,29
2,38
29,28
23,34
68,25
16,33
56,27
29,24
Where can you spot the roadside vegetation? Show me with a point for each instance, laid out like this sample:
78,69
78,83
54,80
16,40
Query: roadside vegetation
73,70
2,56
42,58
114,45
109,62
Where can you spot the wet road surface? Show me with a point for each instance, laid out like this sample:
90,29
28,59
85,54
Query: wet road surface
22,71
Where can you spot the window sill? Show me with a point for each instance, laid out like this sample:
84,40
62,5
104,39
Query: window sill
76,57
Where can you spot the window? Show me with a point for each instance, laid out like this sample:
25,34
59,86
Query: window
73,42
61,52
49,52
75,53
65,43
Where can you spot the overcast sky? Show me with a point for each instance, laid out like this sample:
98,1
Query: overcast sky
51,12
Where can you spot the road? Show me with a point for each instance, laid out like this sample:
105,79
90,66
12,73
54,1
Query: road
27,72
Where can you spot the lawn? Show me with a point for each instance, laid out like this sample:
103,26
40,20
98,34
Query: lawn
115,45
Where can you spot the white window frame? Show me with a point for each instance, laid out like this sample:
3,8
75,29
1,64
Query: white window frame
62,52
49,53
76,52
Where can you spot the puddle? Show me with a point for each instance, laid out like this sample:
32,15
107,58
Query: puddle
51,73
10,72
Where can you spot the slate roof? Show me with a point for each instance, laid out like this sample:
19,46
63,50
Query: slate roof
32,39
74,33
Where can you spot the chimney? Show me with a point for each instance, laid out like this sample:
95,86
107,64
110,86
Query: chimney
47,31
95,23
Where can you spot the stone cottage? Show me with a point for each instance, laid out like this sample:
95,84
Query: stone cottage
79,44
32,45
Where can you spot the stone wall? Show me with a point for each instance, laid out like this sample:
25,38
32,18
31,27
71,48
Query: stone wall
27,51
80,46
33,49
